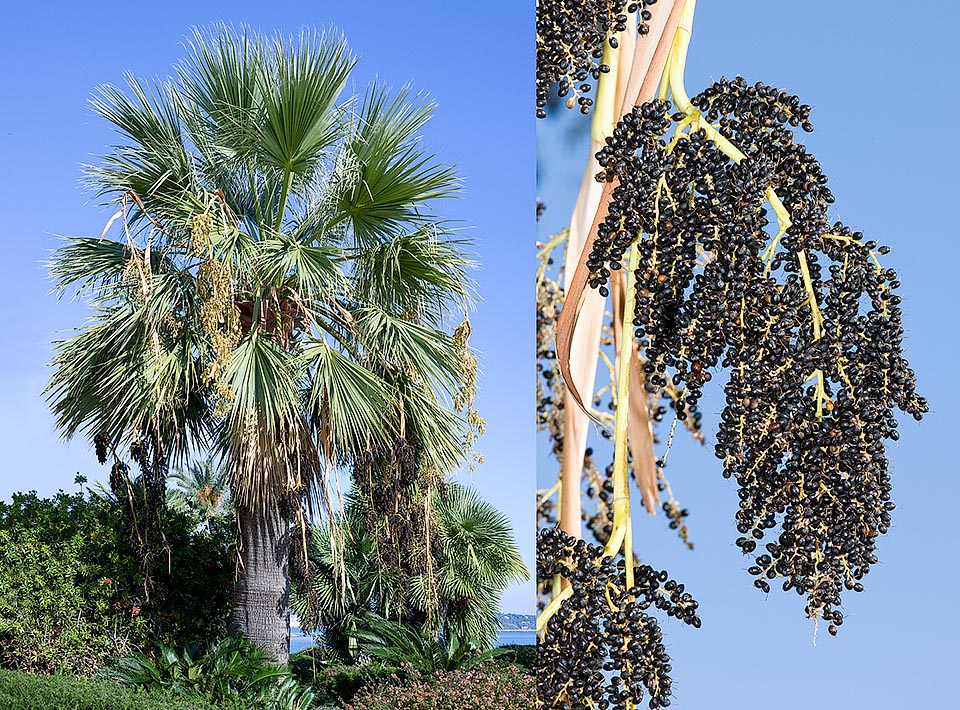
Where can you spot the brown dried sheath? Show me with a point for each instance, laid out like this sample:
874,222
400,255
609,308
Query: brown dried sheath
567,321
639,432
585,345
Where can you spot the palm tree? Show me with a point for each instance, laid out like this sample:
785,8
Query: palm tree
475,559
280,292
201,489
480,559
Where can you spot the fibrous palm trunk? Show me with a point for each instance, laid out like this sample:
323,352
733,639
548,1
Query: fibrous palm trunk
261,597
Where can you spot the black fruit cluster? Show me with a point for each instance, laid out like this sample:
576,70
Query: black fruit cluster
813,381
392,484
602,649
571,35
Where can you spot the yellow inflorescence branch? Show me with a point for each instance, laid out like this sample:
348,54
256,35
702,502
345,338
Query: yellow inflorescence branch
621,536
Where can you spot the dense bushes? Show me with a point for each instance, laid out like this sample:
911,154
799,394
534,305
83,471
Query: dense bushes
72,593
337,682
523,655
491,686
23,691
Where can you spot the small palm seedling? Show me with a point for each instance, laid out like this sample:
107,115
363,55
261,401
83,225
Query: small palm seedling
712,225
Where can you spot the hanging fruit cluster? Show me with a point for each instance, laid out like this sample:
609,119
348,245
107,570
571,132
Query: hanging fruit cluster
571,36
603,649
806,320
714,221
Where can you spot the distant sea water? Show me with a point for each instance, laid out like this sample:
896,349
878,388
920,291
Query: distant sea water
300,641
520,638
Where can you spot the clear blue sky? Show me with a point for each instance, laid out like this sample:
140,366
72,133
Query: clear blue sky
883,87
475,63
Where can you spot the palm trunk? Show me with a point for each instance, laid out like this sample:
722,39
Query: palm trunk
261,597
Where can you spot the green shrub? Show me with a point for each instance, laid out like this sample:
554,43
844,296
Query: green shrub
72,593
523,655
23,691
231,670
491,686
401,643
336,682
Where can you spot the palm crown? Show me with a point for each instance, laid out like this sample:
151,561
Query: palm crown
475,558
281,287
200,489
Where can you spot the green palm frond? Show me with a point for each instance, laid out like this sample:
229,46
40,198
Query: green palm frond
263,379
438,430
352,406
398,178
220,91
389,124
430,353
399,643
154,162
265,436
300,88
478,558
92,263
479,537
201,488
115,376
423,272
312,271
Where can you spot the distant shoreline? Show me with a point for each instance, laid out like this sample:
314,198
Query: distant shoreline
517,622
509,624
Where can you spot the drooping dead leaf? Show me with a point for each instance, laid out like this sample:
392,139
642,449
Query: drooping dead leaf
639,432
576,295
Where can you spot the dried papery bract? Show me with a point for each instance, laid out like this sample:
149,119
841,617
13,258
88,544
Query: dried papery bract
579,350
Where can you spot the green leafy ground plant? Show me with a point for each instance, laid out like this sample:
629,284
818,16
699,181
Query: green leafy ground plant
231,670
